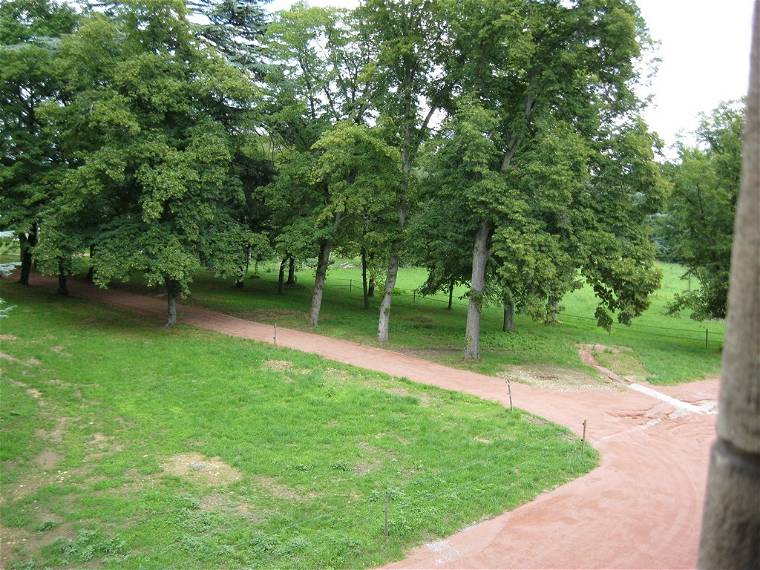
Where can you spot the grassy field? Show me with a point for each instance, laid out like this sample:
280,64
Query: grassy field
659,348
123,444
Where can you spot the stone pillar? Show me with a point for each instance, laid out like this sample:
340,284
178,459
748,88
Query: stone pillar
731,526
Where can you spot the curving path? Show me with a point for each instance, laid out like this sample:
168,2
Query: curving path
641,508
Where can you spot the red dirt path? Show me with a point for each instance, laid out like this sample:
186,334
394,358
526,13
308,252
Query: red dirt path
641,508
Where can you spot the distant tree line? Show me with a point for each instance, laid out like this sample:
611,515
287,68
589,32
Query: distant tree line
497,144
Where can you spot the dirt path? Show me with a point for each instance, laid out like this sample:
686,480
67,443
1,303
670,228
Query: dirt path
641,508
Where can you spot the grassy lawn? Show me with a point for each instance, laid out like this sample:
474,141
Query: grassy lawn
126,444
659,348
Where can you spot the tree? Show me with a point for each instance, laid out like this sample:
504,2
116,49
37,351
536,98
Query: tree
30,31
699,218
410,39
536,74
234,28
148,127
320,75
359,173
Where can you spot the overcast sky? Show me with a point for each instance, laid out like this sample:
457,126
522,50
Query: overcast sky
704,48
704,52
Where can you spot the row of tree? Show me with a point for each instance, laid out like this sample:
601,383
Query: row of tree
498,144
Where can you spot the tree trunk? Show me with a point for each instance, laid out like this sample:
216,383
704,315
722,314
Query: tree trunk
383,324
91,267
281,277
365,292
551,316
172,290
384,321
731,523
240,283
371,284
477,287
509,317
62,287
26,258
292,270
451,294
26,244
319,282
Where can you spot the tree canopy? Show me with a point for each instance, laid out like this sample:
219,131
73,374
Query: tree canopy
498,144
698,222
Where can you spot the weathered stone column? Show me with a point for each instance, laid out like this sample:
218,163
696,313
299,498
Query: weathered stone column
731,527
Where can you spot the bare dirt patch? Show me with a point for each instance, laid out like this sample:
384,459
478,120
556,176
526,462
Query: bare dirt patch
100,445
620,359
555,378
8,357
47,459
373,457
28,543
278,365
483,440
56,434
7,337
34,393
135,483
194,466
281,491
366,467
284,366
336,374
27,485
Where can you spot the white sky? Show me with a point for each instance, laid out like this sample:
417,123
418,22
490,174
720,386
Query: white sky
704,52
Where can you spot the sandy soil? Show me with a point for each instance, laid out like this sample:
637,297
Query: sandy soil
641,508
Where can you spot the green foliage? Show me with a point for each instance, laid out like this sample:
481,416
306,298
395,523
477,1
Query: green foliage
30,31
530,153
699,219
360,171
149,127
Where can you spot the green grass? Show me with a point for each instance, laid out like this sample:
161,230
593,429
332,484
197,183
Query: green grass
96,406
669,349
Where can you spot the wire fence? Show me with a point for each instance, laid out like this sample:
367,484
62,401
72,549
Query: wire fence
709,338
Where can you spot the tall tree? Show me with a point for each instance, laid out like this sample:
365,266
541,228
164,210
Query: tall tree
149,125
410,38
359,173
234,28
699,217
544,70
320,74
30,31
